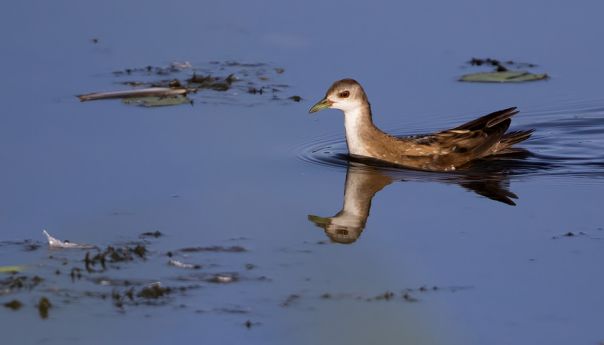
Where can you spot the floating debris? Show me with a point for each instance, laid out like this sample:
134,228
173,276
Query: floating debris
249,324
154,234
214,249
104,281
56,243
152,294
570,234
252,90
43,306
181,65
223,278
14,304
210,82
181,264
407,297
11,269
26,245
14,283
499,65
75,274
173,84
388,295
503,72
113,255
138,93
95,273
157,101
154,291
226,310
290,300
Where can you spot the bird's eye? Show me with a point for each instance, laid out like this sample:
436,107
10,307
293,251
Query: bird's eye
344,94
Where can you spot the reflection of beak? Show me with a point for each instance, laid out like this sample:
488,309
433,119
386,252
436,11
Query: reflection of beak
321,222
322,104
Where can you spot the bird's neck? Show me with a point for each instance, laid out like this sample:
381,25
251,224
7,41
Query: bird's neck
360,130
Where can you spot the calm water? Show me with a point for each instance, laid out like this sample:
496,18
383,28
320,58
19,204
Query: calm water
265,175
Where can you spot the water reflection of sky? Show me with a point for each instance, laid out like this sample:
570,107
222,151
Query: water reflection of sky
69,166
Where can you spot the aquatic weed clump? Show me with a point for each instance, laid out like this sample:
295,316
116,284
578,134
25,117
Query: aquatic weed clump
96,272
114,255
228,82
18,282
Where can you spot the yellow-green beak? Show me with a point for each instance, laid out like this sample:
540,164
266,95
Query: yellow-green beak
322,104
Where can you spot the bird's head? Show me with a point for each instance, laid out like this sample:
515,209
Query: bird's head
345,94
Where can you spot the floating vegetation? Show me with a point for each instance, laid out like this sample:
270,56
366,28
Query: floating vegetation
26,245
503,77
14,304
98,273
154,291
214,249
249,324
113,255
570,234
11,269
175,84
14,283
154,234
406,295
214,278
290,300
43,306
157,101
502,72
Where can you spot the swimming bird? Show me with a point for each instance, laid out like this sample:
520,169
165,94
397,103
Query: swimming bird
446,150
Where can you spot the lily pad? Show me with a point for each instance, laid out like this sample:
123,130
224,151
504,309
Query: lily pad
155,101
508,76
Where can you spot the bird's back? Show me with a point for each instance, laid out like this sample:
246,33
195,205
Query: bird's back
450,149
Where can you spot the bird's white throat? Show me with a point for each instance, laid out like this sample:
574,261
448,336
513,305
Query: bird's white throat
354,121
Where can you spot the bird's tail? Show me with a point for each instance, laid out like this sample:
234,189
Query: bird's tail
508,140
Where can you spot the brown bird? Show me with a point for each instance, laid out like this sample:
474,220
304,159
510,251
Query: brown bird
442,151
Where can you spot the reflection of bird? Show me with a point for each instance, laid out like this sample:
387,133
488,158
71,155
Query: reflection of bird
363,182
441,151
361,185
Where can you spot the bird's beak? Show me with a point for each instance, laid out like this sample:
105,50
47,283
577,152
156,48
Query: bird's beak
322,104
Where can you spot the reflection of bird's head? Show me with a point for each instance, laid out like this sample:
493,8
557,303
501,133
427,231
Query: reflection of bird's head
344,229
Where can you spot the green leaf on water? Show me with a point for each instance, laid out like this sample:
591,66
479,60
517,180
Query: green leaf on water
503,77
157,101
11,269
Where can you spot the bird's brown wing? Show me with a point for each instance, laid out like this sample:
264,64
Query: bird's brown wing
458,146
471,142
488,121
